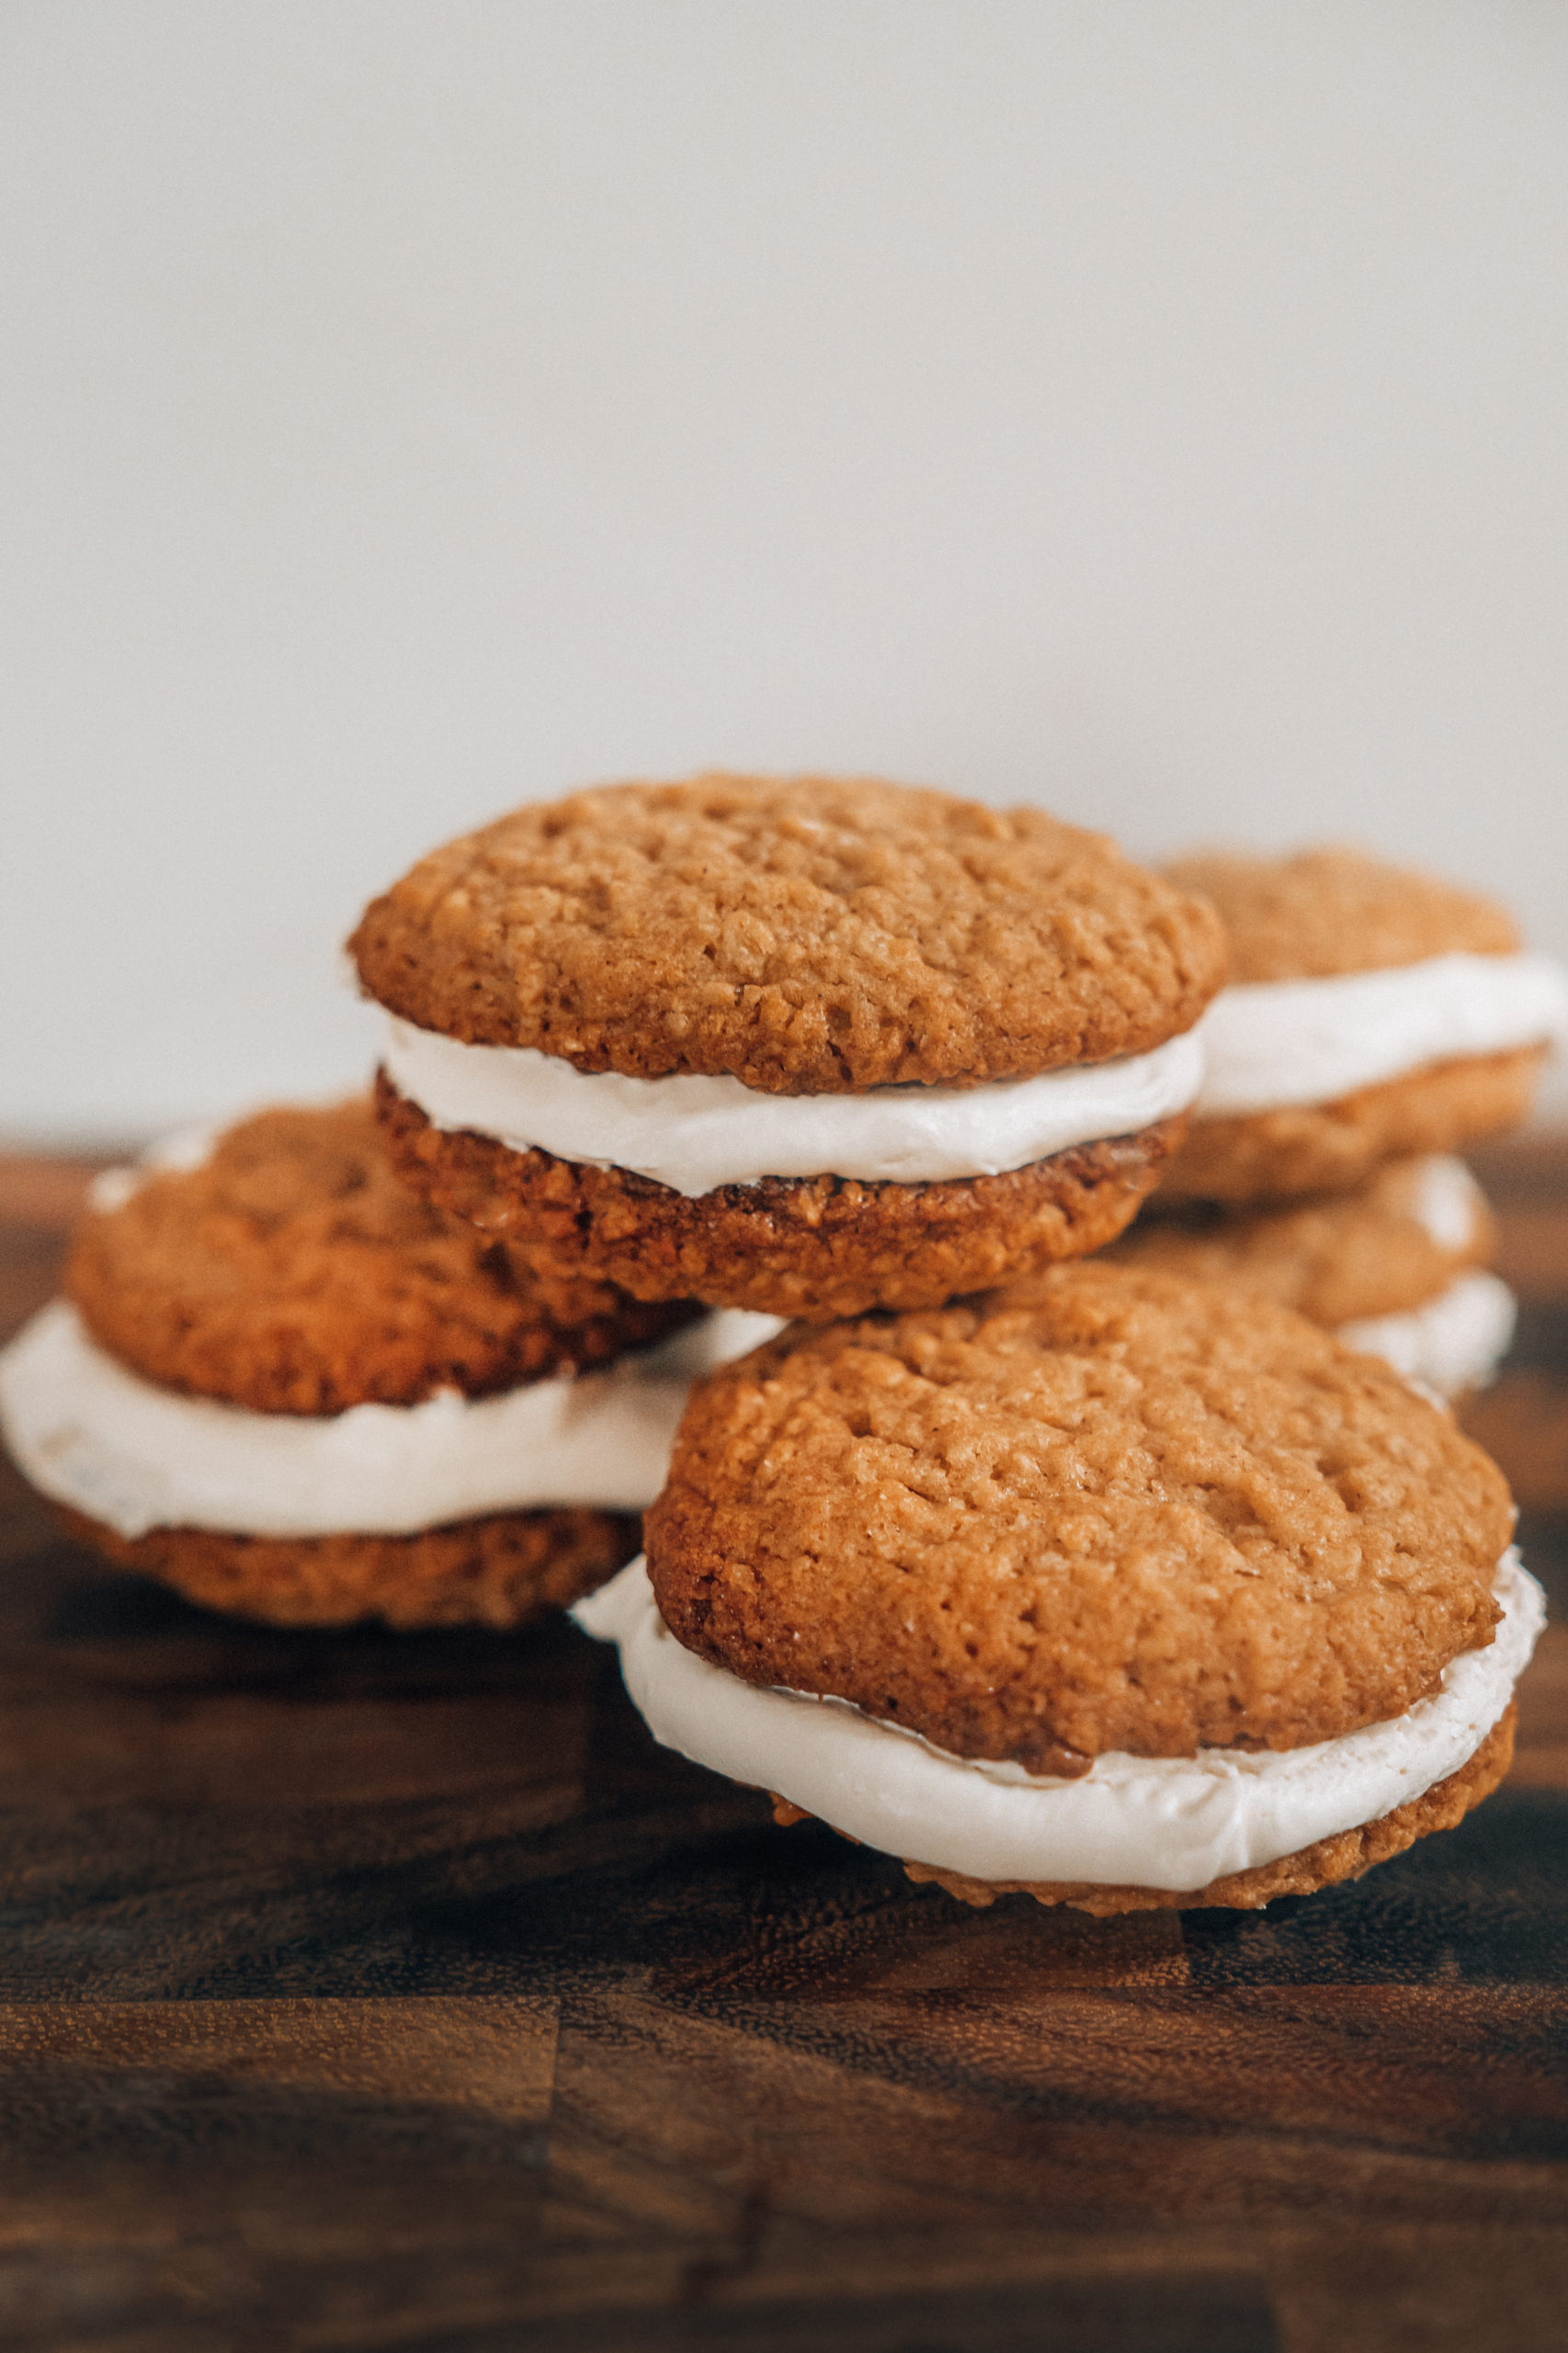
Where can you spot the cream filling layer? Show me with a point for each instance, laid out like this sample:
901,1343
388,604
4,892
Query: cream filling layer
1175,1822
1448,1203
1270,1044
695,1133
92,1434
1453,1343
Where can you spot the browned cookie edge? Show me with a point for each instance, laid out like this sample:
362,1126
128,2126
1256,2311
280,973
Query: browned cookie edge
1335,1257
501,1569
817,1248
1326,1863
1329,1147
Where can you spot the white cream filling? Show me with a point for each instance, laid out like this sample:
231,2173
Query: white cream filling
1175,1822
1448,1203
1274,1043
92,1434
695,1133
1454,1343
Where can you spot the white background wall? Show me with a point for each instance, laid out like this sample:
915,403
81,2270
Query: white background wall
415,406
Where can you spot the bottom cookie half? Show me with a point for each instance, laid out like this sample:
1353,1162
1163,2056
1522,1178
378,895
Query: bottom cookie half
1327,1147
818,1248
501,1570
1324,1864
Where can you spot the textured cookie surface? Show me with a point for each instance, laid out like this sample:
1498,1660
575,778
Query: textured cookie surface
1333,1259
293,1273
816,1247
1324,1147
1328,911
1100,1509
805,935
499,1570
1326,1863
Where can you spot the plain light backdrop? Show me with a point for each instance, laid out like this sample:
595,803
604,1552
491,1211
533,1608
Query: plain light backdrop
417,407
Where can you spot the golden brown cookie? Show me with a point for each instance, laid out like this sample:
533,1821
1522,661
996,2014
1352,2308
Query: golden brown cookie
293,1273
1324,1147
1335,1258
799,938
1318,913
501,1570
813,1246
1103,1509
805,935
1328,915
1326,1863
320,1357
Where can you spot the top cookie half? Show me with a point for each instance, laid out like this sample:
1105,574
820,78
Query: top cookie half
805,935
289,1272
1319,913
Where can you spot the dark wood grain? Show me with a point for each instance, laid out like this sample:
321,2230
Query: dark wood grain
361,1991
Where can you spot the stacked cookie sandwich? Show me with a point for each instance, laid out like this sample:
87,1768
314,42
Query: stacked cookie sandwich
289,1387
804,1046
1372,1012
1114,1587
1376,1019
1103,1586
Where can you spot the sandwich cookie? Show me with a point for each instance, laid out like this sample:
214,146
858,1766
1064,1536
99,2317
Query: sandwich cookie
1371,1012
1398,1267
1103,1586
286,1386
802,1046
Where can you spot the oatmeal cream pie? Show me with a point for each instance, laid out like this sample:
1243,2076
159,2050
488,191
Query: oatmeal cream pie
799,1045
1103,1586
1371,1012
1398,1267
285,1385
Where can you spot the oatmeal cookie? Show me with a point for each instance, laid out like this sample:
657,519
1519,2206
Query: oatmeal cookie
291,1272
1319,913
1103,1509
805,935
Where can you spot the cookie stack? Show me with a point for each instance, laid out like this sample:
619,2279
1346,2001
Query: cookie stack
1038,1558
805,1046
1376,1019
1037,1572
291,1389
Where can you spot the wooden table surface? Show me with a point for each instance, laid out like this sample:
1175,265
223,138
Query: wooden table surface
377,1991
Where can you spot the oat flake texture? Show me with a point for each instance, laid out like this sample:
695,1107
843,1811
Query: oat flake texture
1101,1509
292,1273
806,935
